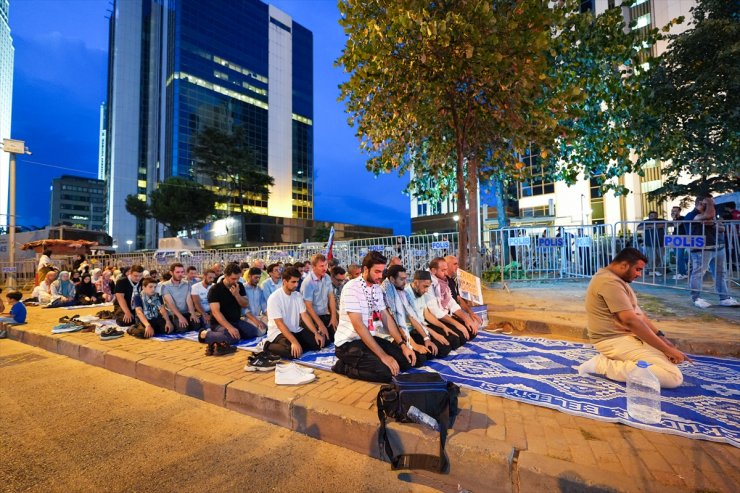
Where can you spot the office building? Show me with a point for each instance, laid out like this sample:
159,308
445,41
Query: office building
7,54
101,141
177,67
78,201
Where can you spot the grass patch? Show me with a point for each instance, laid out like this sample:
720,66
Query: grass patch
655,306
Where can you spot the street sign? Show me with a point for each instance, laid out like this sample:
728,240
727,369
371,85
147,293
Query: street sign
10,270
14,146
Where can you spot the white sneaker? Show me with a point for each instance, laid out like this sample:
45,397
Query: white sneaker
729,302
678,277
290,374
304,369
656,273
702,303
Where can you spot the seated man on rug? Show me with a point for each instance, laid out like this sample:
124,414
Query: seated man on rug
621,331
273,282
126,287
415,293
105,286
439,318
176,295
338,280
442,291
285,335
62,291
227,298
452,268
318,296
399,306
42,292
150,310
256,313
199,293
360,353
192,275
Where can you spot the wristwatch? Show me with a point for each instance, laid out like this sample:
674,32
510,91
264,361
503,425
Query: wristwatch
427,338
660,333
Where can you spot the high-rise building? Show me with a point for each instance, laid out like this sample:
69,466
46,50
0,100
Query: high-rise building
176,68
101,141
7,54
78,201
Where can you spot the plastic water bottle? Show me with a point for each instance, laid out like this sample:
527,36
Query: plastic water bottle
643,394
418,416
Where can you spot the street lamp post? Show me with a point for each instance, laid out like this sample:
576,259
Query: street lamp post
12,147
129,243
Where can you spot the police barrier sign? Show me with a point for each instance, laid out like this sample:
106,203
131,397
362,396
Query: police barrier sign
684,241
440,245
519,241
550,242
376,248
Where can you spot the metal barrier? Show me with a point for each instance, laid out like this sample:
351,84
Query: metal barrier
674,248
554,252
510,254
24,272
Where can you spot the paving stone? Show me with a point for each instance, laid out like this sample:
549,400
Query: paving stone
270,404
203,385
93,353
157,372
122,362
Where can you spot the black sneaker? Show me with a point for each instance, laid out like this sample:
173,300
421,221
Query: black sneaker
110,333
267,355
219,349
260,362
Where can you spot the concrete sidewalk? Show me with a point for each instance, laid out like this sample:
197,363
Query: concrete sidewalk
555,309
496,445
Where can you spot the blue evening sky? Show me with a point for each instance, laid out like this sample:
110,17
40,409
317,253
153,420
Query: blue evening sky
60,80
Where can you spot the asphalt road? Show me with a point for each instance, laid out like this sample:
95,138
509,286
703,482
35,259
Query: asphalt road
67,426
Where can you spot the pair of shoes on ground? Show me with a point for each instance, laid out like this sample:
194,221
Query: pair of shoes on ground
679,277
292,374
219,349
262,361
105,315
702,303
110,333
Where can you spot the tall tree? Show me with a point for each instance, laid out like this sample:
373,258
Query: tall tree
182,204
227,158
455,77
137,207
692,119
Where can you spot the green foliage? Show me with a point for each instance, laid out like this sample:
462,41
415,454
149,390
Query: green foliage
137,207
692,116
511,270
320,234
602,59
228,160
182,204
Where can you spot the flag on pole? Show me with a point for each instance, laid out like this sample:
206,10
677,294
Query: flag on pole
330,245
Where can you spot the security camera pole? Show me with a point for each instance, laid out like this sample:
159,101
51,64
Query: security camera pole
12,147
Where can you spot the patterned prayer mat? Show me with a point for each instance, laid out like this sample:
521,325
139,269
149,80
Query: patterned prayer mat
540,372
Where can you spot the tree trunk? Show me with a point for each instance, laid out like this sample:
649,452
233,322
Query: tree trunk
473,211
462,224
503,221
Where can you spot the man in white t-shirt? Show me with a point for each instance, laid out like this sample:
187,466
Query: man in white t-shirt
286,309
199,293
362,312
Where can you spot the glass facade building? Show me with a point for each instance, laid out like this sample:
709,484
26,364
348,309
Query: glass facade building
183,66
7,54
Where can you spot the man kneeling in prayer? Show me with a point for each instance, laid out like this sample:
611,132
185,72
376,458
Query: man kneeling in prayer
285,310
621,331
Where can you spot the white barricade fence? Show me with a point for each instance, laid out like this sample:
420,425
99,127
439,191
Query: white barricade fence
552,252
389,246
675,248
421,249
23,271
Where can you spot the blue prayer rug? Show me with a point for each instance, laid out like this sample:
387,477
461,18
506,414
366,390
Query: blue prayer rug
540,372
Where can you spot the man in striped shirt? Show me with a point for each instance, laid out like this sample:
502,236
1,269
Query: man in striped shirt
362,311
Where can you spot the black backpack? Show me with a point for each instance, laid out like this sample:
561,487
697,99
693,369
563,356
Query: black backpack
432,395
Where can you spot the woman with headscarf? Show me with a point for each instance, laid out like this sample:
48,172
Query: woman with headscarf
86,293
95,275
106,286
62,291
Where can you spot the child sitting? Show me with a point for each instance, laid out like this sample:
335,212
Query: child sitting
150,310
17,313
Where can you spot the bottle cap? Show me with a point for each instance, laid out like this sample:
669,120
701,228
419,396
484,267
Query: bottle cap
643,364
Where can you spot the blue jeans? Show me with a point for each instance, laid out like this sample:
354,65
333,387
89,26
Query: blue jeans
700,263
681,258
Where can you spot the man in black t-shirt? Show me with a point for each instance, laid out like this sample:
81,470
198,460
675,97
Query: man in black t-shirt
226,299
126,288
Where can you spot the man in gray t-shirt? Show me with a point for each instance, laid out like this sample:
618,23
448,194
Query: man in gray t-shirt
621,331
177,297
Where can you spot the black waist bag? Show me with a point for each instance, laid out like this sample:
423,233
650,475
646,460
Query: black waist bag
432,395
